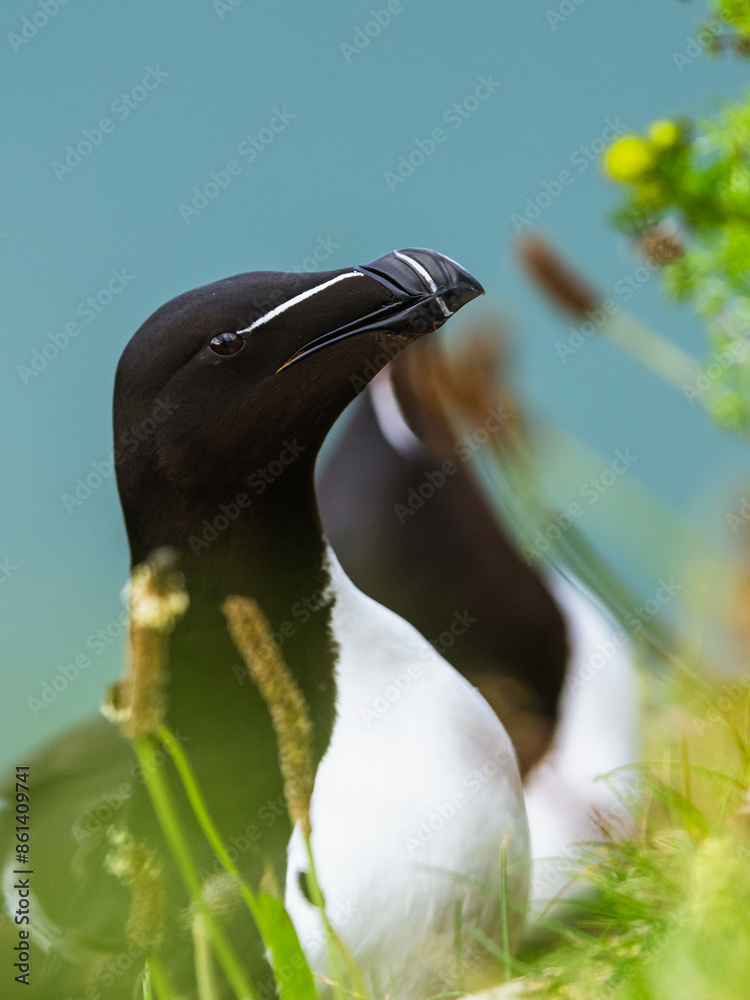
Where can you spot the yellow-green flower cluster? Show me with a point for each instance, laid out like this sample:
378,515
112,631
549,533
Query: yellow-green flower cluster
633,158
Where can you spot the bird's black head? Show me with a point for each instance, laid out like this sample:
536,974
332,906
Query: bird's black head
244,378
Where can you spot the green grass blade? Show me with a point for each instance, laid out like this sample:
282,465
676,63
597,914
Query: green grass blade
290,968
167,816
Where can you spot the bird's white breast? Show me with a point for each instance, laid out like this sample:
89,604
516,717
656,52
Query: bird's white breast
420,780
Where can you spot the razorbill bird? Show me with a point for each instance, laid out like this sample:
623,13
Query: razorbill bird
537,644
254,370
398,479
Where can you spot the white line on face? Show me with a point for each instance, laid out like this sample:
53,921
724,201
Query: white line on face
299,298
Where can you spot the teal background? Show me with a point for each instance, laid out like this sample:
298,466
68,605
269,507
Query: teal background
322,177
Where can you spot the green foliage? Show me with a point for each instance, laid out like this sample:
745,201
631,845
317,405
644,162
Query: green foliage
702,183
700,180
667,918
734,17
288,961
157,597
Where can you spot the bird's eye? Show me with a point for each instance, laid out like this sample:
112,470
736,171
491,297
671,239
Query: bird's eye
226,344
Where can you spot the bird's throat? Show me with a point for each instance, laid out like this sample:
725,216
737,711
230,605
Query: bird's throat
273,553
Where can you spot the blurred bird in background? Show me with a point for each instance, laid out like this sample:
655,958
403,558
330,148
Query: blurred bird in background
413,527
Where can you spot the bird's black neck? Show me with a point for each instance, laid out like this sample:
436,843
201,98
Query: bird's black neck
273,552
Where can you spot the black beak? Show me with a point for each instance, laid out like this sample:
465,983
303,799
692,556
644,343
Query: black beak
428,288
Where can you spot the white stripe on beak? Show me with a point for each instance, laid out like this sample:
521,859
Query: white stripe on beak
426,276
